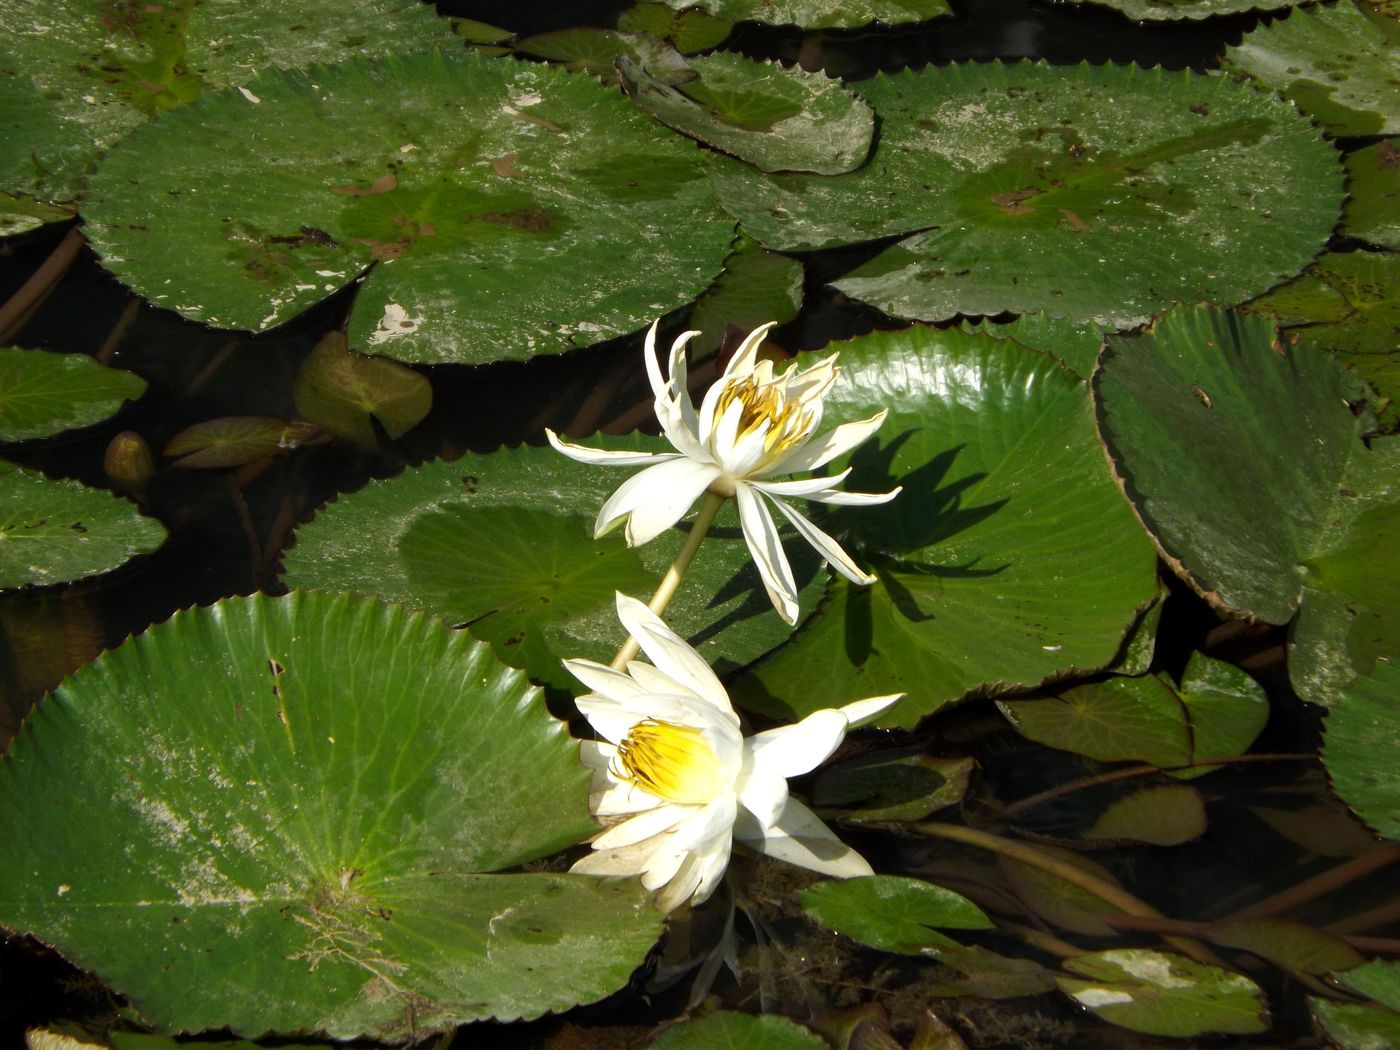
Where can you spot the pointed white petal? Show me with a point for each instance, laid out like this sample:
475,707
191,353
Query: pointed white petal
863,712
659,386
801,838
711,861
655,499
604,680
682,884
808,487
827,547
761,535
762,795
610,719
671,654
790,751
643,826
595,754
742,363
837,498
622,800
599,457
822,449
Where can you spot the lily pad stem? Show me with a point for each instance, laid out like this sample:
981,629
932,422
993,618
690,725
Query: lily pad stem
1100,888
667,588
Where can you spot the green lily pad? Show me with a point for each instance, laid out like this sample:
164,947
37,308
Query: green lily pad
1119,191
736,1031
231,441
504,544
1378,980
54,531
1336,62
1166,815
1372,211
773,117
1291,945
1008,558
283,815
757,286
892,913
1348,303
819,14
689,30
495,197
1361,731
42,393
20,214
83,73
1297,509
346,393
596,51
1075,345
1217,712
1351,1027
1159,993
896,784
1176,10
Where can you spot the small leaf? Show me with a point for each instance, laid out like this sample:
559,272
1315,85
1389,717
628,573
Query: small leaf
894,785
689,31
1167,815
43,393
1378,979
235,440
344,392
1290,945
893,913
1158,993
1361,732
1352,1027
736,1031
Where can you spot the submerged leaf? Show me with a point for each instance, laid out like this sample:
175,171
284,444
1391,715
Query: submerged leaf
1166,815
346,393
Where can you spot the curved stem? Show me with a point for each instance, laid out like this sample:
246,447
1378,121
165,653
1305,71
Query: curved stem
20,307
1100,888
1320,885
667,588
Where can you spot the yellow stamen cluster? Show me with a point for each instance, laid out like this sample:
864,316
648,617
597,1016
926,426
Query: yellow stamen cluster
788,422
671,761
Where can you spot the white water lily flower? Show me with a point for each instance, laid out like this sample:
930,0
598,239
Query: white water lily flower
751,427
675,780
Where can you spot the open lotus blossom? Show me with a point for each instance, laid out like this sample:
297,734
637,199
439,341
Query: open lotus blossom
751,427
675,780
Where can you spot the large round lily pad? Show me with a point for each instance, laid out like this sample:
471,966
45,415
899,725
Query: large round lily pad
53,530
43,394
1174,10
1245,462
1098,193
504,544
496,198
283,815
1009,557
820,14
83,73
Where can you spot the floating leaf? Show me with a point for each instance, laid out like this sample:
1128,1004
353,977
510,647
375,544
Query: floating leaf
1336,62
1291,945
20,214
83,73
1352,1027
1163,994
496,196
1116,720
819,14
345,393
42,393
1378,980
235,440
1074,344
1008,557
736,1031
1297,509
504,543
757,286
1225,708
892,913
596,51
689,30
776,118
1166,815
1372,211
1098,193
1361,731
890,785
1175,10
286,820
53,530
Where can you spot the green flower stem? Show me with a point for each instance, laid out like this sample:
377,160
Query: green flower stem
667,588
1104,890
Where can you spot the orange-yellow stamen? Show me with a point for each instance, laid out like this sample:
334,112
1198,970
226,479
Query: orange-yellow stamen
788,422
671,761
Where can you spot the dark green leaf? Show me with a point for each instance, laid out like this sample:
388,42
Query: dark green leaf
344,393
736,1031
901,785
1166,815
1362,731
42,394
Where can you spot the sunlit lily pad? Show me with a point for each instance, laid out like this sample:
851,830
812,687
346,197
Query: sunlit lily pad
1175,10
42,393
689,30
736,1031
1378,980
53,530
1008,558
1337,62
1075,344
1294,514
504,544
1163,994
1373,208
284,815
83,73
892,913
819,14
495,196
1361,731
776,118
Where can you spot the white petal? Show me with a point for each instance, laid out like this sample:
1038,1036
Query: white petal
604,680
801,838
822,449
655,499
596,755
611,719
838,498
761,535
600,457
671,654
711,862
863,712
763,794
643,826
682,884
746,356
622,800
659,386
827,547
808,487
790,751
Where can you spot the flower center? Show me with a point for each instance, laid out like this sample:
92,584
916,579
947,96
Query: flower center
788,422
671,761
